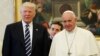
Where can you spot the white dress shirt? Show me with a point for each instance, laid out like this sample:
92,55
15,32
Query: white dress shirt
30,29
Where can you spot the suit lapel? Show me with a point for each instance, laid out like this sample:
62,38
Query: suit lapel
35,34
20,33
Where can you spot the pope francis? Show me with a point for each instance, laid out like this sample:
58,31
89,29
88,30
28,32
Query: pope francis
73,40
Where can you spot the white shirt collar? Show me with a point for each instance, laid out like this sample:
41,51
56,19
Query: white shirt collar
24,24
30,28
74,30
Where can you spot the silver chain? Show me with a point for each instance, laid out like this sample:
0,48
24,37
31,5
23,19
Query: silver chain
69,47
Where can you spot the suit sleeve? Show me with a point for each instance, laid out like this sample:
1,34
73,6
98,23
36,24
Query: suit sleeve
6,43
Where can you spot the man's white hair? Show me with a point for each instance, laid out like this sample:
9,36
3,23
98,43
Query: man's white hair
29,4
70,12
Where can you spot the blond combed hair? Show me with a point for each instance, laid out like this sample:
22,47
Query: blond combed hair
29,4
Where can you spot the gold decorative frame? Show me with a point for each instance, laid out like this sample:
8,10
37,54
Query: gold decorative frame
17,4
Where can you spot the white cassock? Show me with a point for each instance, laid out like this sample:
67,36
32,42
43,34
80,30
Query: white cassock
79,42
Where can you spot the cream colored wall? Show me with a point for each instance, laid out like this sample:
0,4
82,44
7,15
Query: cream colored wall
6,15
98,44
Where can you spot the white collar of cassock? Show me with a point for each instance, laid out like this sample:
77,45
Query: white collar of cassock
74,30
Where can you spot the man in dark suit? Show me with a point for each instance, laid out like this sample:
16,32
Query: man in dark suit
21,42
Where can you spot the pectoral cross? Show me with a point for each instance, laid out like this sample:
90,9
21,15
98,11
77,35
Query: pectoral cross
69,53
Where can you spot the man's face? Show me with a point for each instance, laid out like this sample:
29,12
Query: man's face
69,22
27,13
54,29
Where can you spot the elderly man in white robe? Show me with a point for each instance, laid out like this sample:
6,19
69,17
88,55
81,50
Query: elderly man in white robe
73,40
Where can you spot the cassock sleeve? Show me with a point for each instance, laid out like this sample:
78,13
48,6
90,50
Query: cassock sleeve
53,47
93,47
